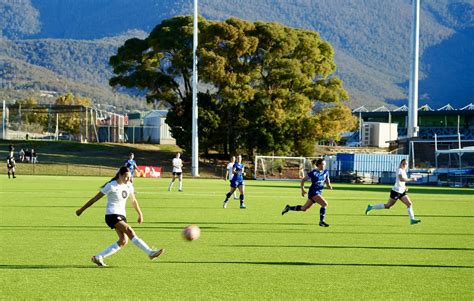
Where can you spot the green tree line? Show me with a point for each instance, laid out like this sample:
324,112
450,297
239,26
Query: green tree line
260,83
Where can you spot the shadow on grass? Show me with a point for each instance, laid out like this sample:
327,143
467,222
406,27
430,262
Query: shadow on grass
45,266
351,247
412,189
288,263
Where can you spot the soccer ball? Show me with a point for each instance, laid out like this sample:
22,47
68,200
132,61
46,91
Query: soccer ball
191,232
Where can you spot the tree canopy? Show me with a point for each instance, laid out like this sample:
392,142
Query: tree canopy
259,84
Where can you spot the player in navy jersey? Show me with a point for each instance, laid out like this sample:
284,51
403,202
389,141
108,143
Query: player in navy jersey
319,177
131,165
237,182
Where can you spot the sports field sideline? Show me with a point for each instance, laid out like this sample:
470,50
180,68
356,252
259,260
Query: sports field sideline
253,253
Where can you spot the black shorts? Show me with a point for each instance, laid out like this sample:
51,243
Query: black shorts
112,219
397,195
175,173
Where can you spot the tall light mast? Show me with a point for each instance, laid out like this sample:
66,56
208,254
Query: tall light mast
195,141
412,130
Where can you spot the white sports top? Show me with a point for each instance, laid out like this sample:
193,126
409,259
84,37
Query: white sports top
117,195
230,168
399,185
177,164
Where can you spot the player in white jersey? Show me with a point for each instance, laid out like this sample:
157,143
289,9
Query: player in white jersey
399,192
118,190
177,171
230,173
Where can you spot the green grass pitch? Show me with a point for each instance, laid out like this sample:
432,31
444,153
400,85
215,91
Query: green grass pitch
242,254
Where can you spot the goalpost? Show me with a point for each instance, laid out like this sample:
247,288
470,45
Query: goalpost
287,168
279,168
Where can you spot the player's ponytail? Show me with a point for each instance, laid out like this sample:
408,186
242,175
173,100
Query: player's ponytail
123,170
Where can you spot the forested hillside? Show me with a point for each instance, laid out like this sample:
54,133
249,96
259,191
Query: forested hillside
371,39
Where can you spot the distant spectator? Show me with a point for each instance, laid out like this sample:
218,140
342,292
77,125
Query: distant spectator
27,136
34,156
11,165
21,155
27,155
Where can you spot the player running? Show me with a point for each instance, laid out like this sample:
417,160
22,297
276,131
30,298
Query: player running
229,174
236,182
319,177
399,192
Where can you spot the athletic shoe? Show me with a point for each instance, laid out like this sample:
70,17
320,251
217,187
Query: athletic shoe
156,254
286,209
98,261
323,224
224,205
369,207
180,190
242,206
415,221
235,198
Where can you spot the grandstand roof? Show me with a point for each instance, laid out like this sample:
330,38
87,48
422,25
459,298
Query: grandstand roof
424,108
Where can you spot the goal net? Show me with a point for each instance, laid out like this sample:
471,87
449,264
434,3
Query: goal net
286,168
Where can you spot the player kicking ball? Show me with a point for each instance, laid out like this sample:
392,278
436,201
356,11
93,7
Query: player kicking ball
118,190
319,176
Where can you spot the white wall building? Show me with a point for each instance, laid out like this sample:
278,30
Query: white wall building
155,130
378,134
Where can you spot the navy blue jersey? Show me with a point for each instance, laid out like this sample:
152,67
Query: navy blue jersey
239,175
130,163
318,178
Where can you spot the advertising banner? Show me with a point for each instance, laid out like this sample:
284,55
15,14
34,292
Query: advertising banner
148,171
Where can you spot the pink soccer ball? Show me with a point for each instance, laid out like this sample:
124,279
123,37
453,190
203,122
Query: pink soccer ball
191,232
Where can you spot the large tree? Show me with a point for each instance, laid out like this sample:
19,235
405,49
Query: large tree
259,85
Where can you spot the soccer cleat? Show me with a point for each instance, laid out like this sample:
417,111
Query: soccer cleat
323,224
242,206
180,190
286,209
99,261
224,205
369,207
156,254
414,221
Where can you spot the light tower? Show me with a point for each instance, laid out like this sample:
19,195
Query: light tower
195,141
412,130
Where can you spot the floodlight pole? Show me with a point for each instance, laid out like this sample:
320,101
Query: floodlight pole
195,142
413,91
3,120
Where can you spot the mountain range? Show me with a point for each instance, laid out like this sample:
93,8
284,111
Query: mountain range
61,45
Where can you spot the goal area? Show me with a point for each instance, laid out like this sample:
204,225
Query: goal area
281,168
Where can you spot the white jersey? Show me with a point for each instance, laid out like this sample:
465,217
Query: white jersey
230,169
177,164
117,195
399,185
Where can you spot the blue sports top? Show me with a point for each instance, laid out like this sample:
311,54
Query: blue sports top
318,178
130,164
239,175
